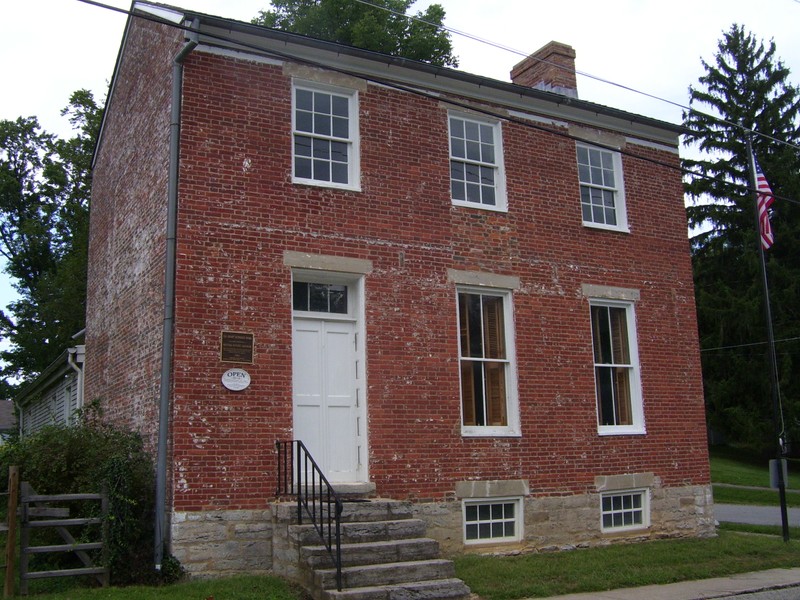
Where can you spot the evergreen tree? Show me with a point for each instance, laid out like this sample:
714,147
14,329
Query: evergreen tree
381,28
44,217
748,88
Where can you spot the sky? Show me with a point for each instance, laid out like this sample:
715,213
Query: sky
50,48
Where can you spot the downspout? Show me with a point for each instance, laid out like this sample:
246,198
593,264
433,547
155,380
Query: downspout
73,353
169,298
77,351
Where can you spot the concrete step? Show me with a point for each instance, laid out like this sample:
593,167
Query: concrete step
386,574
360,532
440,589
370,553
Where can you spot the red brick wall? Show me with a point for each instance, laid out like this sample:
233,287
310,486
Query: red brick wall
239,212
126,247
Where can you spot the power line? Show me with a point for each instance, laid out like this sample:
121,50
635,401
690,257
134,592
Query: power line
582,73
748,345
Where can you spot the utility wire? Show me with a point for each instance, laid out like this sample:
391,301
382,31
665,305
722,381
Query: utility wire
432,96
750,344
582,73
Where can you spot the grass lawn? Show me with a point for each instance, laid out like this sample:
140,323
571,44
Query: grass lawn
623,565
734,466
794,532
766,497
740,467
229,588
516,577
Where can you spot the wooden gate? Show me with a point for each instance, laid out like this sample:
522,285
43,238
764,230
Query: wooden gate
42,511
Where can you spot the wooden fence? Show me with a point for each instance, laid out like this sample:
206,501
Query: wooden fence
39,511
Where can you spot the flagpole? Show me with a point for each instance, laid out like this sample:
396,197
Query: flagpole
776,410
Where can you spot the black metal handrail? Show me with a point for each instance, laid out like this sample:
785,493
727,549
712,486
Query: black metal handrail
300,476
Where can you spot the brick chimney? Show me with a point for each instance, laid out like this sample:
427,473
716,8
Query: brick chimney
550,68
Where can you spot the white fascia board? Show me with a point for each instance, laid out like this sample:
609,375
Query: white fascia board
161,12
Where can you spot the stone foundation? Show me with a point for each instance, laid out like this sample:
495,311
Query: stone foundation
566,522
223,542
216,543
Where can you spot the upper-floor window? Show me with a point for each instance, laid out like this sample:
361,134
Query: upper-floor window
602,195
476,164
325,136
616,368
488,390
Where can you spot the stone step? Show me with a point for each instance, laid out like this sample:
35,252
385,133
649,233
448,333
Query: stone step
376,510
440,589
368,510
360,532
371,553
386,574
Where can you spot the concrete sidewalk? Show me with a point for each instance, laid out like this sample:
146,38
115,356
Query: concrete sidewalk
720,587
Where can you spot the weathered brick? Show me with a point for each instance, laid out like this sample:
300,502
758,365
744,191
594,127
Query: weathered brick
239,213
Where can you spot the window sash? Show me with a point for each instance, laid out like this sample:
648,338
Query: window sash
624,510
323,146
492,521
484,362
474,162
615,371
599,173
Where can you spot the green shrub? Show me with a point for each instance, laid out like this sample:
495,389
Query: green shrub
92,457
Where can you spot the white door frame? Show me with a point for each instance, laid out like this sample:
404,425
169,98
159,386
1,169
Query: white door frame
354,315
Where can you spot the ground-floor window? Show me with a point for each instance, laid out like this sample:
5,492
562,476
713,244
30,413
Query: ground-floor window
625,510
498,520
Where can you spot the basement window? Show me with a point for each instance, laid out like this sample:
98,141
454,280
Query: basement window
498,520
622,511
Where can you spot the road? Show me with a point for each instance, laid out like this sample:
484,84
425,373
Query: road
755,515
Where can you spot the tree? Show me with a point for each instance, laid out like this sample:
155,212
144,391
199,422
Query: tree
380,25
748,88
44,203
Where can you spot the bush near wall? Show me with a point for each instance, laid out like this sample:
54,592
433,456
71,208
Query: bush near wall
92,457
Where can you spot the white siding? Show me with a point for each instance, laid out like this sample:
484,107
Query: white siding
55,407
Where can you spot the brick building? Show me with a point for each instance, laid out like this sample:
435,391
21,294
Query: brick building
471,294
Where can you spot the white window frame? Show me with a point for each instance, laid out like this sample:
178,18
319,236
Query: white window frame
352,141
644,494
512,427
478,502
618,189
634,375
501,202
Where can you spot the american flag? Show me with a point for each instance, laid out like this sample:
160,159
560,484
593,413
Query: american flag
764,201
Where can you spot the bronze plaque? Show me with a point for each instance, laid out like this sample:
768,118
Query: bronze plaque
237,347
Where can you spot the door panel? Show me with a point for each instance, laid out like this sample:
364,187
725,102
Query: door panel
325,407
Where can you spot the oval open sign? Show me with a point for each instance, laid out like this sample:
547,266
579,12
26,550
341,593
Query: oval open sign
236,379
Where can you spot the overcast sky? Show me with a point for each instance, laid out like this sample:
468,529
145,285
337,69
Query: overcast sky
49,48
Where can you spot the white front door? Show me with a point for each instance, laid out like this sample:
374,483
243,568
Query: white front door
327,404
